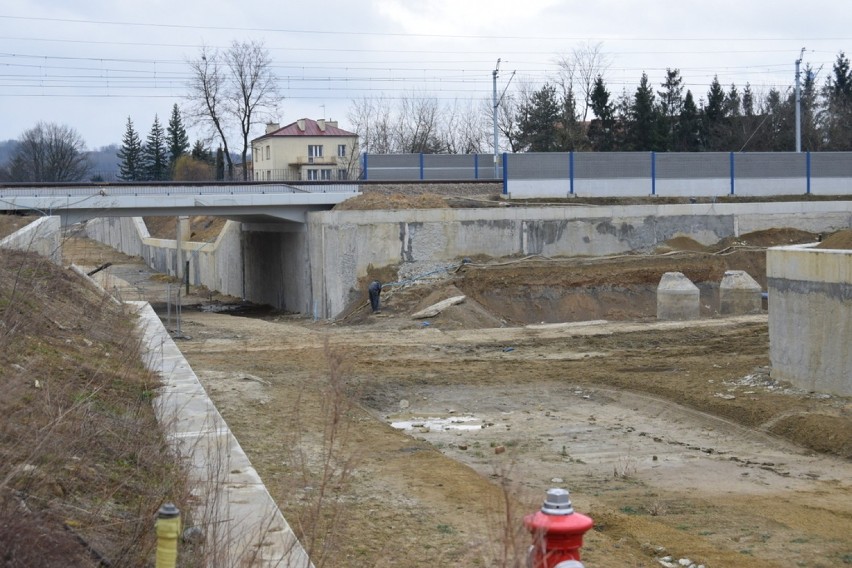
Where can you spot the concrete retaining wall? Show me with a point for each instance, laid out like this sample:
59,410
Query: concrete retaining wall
317,272
810,317
344,245
217,265
42,236
274,269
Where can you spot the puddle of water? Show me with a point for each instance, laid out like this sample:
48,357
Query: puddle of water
434,423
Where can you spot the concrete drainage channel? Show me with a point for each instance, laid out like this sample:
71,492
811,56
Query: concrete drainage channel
240,520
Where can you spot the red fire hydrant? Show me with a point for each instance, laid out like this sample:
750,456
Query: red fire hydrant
557,532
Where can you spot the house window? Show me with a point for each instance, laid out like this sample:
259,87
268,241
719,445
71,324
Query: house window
325,175
341,150
312,175
341,174
314,151
267,152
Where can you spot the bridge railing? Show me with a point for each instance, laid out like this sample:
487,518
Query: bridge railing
82,190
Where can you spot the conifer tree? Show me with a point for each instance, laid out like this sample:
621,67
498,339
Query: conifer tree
671,105
220,163
689,126
643,130
714,117
601,133
203,154
154,156
177,140
837,111
130,165
537,121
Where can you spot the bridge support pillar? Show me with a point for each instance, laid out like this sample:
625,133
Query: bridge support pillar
181,239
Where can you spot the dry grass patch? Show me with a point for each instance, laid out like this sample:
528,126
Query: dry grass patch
83,463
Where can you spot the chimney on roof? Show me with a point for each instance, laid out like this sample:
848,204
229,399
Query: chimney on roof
321,124
272,127
331,123
300,124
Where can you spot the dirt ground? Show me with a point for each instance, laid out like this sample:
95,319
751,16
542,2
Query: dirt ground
11,223
672,436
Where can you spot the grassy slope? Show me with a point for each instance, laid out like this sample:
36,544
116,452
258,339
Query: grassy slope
83,465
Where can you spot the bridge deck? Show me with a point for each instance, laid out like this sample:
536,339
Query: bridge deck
255,202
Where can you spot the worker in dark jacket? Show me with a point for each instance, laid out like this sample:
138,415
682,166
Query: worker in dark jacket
375,289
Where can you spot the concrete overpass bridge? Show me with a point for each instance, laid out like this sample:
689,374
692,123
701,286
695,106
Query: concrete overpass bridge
246,202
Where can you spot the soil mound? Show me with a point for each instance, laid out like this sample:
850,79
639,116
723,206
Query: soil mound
682,244
470,314
202,228
776,237
840,240
394,201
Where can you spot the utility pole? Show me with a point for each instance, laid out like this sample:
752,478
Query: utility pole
495,108
494,119
799,103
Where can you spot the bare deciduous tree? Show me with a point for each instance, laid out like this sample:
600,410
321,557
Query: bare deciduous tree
578,71
418,125
252,90
207,96
371,118
49,152
509,114
235,85
463,127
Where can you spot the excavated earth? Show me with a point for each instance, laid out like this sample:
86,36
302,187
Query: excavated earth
396,442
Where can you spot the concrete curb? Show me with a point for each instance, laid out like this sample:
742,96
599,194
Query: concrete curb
242,523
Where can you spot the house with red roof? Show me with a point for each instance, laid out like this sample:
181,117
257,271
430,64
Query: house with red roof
305,150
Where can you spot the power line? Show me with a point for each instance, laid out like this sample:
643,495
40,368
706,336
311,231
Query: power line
405,34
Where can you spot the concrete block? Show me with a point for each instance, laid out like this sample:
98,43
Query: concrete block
810,317
739,294
677,298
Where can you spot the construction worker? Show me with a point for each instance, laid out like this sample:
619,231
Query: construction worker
375,290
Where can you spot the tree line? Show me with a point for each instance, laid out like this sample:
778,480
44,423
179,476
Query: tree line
52,152
576,111
670,120
166,155
234,89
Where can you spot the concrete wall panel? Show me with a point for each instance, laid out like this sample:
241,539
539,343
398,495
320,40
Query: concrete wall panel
217,265
767,187
693,187
42,236
810,318
830,186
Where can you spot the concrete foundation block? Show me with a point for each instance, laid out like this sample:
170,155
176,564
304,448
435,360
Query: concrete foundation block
810,317
677,298
739,294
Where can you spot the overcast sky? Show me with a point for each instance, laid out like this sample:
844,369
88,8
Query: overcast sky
90,64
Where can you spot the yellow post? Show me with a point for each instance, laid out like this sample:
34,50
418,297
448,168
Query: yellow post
168,531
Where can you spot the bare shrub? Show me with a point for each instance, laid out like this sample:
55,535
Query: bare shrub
322,463
508,539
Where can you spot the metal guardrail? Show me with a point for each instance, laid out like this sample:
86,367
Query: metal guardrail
166,189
